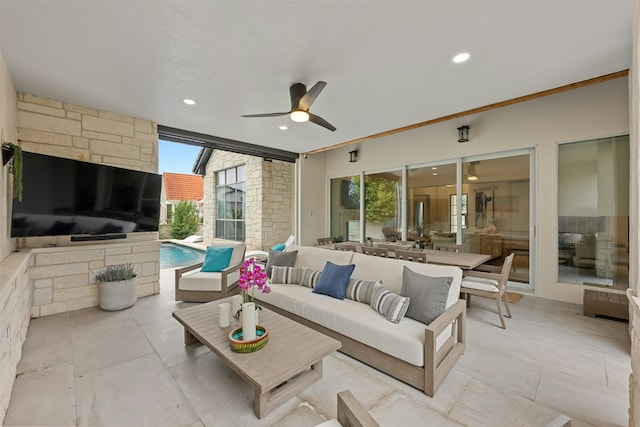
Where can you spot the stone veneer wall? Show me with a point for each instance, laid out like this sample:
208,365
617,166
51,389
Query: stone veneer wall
269,198
60,272
15,294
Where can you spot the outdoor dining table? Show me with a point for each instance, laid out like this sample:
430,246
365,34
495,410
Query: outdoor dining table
464,260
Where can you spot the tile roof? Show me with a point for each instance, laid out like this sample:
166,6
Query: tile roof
180,186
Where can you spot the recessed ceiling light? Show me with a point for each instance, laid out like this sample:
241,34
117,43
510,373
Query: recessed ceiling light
435,173
189,101
283,128
461,57
434,168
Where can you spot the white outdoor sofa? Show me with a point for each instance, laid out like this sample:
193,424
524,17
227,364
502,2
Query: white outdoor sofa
417,354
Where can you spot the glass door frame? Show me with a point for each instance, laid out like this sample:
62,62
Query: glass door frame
533,194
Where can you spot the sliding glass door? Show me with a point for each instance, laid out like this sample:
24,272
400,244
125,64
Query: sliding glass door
499,209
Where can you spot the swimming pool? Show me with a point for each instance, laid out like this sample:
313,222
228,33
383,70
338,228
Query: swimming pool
172,255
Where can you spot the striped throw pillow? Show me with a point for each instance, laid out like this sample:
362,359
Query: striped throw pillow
286,275
392,306
310,277
361,290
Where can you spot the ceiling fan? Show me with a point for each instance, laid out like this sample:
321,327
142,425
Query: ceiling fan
301,100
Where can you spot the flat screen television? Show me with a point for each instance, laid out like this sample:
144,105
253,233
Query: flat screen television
71,197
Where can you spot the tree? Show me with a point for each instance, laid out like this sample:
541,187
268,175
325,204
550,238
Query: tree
185,220
380,195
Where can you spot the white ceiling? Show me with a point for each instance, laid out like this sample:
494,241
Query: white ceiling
387,63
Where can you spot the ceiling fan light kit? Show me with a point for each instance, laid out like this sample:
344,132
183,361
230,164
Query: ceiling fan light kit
301,100
299,116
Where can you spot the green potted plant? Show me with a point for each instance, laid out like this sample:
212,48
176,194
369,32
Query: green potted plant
117,286
13,153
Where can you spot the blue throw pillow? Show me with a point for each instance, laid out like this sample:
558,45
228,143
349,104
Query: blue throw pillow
334,280
216,259
279,247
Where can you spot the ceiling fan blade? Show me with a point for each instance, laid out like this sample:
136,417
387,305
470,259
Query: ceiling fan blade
296,92
322,122
311,95
265,115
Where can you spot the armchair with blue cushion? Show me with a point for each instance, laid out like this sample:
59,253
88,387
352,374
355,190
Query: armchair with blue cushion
214,278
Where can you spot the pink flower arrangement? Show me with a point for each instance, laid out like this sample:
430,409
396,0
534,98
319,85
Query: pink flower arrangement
252,276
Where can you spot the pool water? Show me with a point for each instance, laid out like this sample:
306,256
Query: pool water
172,255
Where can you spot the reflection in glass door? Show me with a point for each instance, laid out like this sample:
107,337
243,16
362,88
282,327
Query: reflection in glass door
498,211
429,214
383,206
344,206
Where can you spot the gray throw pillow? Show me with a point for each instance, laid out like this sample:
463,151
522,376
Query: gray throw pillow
281,259
361,290
428,295
393,307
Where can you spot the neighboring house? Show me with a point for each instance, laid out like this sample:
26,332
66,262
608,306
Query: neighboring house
246,198
177,187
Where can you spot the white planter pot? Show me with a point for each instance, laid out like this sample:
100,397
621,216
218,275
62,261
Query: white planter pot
118,295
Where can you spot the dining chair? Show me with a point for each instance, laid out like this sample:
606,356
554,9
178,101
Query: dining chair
451,247
324,241
346,247
417,256
489,285
370,250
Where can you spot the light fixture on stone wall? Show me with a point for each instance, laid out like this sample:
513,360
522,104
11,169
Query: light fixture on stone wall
353,156
463,133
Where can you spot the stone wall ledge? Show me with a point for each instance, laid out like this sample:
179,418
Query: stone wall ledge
12,265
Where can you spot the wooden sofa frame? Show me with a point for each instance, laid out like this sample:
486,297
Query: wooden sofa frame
351,413
437,364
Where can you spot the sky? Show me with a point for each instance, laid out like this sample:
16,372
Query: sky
177,158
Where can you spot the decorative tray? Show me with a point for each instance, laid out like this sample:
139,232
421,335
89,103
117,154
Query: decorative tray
240,346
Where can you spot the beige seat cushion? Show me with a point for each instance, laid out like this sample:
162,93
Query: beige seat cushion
480,284
198,281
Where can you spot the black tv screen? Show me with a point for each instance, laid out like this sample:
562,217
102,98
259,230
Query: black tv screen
71,197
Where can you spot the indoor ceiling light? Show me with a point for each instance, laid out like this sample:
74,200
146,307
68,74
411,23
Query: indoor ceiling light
189,101
461,57
471,172
299,116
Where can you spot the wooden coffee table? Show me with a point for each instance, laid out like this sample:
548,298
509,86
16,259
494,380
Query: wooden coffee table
289,363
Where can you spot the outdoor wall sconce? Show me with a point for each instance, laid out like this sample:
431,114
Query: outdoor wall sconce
463,133
353,156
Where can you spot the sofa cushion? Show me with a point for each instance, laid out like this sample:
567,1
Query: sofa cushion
279,247
281,259
288,275
309,277
361,290
428,295
216,259
334,280
392,306
404,340
389,271
238,249
315,257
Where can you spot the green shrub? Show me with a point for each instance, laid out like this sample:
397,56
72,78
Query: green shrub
185,220
115,273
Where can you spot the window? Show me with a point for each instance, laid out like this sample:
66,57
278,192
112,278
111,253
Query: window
230,203
593,212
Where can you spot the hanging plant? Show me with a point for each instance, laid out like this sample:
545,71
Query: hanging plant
15,168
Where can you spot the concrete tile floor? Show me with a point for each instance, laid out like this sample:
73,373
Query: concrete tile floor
130,368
